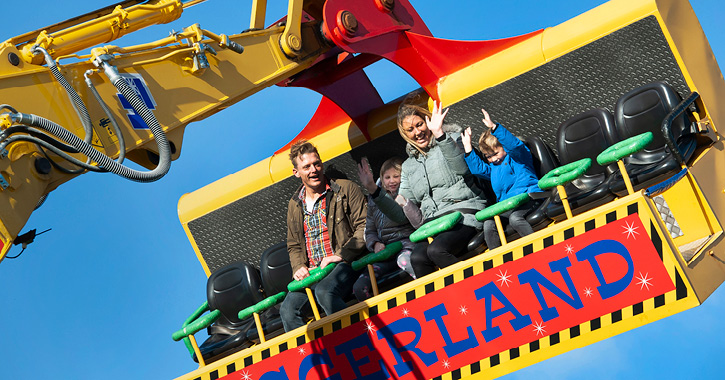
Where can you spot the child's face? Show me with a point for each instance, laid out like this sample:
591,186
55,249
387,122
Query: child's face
391,180
497,157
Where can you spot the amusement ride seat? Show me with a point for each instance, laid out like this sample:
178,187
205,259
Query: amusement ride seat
229,290
643,110
584,136
544,161
276,273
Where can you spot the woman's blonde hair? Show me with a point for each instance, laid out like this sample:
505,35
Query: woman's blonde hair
411,107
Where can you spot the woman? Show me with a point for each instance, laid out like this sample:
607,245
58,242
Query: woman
436,178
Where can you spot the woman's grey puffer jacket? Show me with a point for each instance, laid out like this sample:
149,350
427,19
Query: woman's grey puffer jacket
439,182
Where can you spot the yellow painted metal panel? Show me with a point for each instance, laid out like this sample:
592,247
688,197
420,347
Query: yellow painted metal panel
693,51
592,25
690,212
491,71
224,191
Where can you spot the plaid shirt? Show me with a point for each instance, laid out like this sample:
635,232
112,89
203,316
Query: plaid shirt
317,238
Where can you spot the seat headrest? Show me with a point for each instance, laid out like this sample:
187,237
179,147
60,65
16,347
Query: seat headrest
275,269
643,110
233,288
585,136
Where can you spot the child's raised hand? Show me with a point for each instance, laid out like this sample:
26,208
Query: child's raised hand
366,175
466,139
487,120
435,121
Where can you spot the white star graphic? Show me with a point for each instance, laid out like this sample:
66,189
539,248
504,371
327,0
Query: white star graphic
446,364
539,328
630,230
246,376
463,310
588,292
406,312
504,278
301,350
369,327
644,281
569,249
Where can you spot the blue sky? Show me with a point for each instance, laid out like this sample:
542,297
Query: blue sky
99,296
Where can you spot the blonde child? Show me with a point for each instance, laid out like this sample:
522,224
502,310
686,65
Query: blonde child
509,166
381,230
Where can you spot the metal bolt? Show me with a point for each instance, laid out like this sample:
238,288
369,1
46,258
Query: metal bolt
14,59
386,4
294,42
348,22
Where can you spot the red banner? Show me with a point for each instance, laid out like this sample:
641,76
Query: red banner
564,285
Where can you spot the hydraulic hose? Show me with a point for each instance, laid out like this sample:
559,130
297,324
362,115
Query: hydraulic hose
77,104
75,99
40,201
48,139
58,167
84,146
88,150
37,134
107,111
51,148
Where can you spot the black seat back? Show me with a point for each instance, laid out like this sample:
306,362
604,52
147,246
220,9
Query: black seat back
231,289
544,158
643,110
276,269
585,136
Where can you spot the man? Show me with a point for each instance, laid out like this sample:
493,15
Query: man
325,224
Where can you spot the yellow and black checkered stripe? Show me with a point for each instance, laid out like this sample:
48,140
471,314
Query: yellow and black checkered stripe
515,358
603,324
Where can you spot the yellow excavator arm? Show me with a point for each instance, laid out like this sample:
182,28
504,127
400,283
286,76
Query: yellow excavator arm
67,112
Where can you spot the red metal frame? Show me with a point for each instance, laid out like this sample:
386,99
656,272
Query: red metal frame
400,36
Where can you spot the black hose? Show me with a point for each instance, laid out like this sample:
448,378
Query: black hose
57,165
37,134
103,160
50,147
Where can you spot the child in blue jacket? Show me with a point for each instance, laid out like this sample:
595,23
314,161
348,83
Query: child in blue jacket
510,168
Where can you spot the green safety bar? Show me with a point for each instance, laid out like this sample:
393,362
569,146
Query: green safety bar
436,226
383,255
316,274
262,305
564,174
193,324
624,148
503,206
